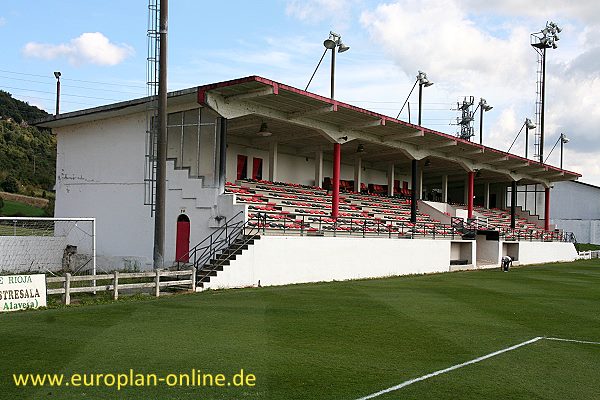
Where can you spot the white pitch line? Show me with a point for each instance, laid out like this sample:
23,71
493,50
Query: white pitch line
571,340
452,368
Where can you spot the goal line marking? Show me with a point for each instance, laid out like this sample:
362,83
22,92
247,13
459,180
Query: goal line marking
473,361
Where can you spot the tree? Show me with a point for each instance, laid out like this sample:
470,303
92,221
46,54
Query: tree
10,184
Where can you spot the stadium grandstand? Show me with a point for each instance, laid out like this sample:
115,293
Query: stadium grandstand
269,184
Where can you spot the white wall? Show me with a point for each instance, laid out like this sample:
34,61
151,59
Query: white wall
543,252
488,251
100,173
298,169
280,260
31,253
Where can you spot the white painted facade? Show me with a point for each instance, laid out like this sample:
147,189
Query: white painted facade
574,207
318,259
100,172
324,259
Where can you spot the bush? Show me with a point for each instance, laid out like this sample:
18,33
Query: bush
49,209
1,203
10,185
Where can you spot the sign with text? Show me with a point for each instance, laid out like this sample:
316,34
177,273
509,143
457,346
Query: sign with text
19,292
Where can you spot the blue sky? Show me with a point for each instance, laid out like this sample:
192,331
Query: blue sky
467,47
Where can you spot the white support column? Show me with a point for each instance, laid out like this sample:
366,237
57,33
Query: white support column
319,168
420,184
357,174
486,195
390,176
444,188
273,161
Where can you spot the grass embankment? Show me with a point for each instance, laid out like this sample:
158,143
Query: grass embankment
586,246
324,341
12,208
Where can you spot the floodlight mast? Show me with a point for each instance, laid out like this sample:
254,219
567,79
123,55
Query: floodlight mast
483,106
540,41
422,80
331,43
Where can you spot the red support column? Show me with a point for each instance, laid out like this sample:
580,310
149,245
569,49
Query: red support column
335,195
471,193
547,210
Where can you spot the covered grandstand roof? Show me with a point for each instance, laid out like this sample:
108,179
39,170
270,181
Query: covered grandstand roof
305,122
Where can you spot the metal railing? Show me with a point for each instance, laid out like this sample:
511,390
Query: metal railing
319,225
220,240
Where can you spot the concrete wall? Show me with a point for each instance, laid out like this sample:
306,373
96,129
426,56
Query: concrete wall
574,207
280,260
298,169
31,253
488,251
543,252
100,173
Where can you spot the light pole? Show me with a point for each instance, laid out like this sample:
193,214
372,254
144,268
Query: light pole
422,81
527,125
542,40
331,43
57,76
563,139
483,106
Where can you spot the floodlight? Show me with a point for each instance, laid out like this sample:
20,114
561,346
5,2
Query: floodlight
564,138
529,124
329,44
342,47
264,130
57,74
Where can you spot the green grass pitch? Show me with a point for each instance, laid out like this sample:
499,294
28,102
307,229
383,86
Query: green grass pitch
340,340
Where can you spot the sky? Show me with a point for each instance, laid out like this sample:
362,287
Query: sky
466,47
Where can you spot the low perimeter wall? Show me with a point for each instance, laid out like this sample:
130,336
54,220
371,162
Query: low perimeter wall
543,252
280,260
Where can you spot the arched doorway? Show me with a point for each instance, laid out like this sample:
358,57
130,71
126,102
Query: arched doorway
182,243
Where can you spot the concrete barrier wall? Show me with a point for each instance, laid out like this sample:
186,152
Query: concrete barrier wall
280,260
31,253
542,252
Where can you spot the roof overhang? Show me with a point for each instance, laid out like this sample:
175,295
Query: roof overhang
316,121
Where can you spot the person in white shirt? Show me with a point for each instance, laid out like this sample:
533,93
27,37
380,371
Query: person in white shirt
506,263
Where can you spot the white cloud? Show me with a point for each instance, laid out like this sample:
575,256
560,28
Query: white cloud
493,59
90,47
2,21
316,10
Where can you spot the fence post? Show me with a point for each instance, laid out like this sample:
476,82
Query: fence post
157,283
115,285
193,272
67,295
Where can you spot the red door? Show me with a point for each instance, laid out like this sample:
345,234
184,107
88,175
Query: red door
182,243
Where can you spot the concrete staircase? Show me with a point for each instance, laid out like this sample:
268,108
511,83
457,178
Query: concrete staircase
222,259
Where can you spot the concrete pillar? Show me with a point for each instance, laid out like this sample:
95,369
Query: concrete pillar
486,195
319,168
273,161
444,188
390,176
420,184
357,174
335,195
413,187
547,210
470,193
513,204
